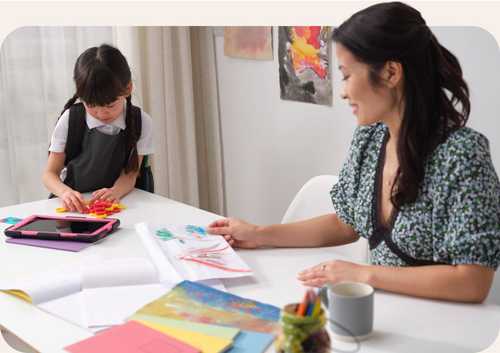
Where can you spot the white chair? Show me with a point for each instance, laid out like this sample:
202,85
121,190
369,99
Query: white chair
494,295
312,200
495,346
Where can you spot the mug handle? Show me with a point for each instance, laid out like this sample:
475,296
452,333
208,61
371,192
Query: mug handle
323,295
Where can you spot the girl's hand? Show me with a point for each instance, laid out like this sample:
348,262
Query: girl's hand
332,272
238,233
107,194
73,201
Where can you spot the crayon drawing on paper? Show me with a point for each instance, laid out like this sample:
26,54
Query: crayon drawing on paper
193,254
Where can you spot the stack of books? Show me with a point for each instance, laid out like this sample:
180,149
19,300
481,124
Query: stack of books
191,318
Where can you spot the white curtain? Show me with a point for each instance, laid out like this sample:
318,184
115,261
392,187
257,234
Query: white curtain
208,128
174,78
36,67
173,70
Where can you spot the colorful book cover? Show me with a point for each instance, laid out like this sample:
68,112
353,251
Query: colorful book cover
196,302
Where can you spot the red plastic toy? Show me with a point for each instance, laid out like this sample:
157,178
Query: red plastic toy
98,208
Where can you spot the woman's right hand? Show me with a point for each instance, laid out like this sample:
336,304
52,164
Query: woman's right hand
238,233
73,201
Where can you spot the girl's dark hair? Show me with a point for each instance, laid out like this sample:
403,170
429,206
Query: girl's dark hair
433,83
101,75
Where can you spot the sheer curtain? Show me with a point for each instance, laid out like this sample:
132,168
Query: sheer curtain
170,66
173,72
36,65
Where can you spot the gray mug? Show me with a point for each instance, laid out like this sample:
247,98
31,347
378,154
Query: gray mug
350,309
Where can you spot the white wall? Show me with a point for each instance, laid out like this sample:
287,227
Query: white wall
271,147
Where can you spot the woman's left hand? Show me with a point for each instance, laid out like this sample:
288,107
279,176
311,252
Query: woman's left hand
108,194
333,272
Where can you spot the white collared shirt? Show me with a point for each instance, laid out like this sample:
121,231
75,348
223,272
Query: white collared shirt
144,145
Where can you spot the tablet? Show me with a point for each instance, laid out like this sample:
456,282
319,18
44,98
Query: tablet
63,228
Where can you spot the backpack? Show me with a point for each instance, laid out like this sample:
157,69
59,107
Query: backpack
76,130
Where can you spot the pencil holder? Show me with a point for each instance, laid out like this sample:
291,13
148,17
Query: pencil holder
302,334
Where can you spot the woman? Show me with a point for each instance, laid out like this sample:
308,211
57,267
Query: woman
417,183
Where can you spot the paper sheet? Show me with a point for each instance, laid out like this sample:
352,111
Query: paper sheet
166,272
69,308
131,337
187,252
113,305
119,272
47,286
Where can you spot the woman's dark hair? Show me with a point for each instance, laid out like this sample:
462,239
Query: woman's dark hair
433,83
101,75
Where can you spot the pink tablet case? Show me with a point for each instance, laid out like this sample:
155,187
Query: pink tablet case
109,225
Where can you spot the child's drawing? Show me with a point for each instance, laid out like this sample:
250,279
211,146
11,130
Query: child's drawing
197,255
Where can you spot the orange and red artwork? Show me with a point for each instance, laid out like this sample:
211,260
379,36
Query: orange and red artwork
304,56
248,42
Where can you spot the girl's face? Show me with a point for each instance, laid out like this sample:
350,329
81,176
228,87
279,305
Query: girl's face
109,113
370,104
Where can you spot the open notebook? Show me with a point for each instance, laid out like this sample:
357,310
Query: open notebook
100,294
62,282
96,295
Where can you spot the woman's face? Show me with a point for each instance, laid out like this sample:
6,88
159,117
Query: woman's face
369,103
106,114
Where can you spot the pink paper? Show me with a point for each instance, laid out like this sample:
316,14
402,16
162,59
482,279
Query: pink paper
131,337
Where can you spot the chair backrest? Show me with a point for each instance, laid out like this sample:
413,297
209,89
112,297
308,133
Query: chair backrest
313,200
495,346
494,295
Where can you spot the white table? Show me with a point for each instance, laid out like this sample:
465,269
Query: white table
402,324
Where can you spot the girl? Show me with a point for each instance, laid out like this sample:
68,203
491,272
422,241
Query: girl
417,183
99,143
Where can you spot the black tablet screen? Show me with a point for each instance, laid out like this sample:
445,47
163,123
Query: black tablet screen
62,226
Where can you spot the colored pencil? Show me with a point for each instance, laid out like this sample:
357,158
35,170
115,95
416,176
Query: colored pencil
317,306
312,300
301,309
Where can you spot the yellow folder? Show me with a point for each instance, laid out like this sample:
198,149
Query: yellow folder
18,293
206,329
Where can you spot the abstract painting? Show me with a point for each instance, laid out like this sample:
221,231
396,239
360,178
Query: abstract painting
199,303
248,42
304,68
